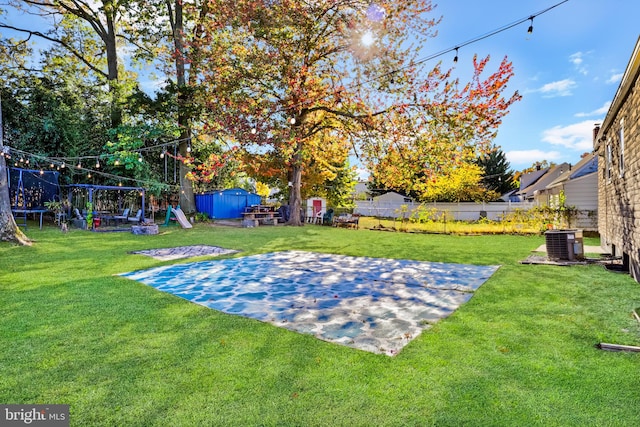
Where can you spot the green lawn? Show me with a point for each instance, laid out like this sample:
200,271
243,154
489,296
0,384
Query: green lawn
520,352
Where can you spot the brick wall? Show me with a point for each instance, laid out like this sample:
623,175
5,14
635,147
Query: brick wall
619,194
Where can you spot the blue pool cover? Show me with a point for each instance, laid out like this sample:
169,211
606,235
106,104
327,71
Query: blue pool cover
372,304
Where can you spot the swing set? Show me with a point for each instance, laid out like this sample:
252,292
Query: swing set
104,205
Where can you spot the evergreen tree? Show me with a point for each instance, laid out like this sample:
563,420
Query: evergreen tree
497,173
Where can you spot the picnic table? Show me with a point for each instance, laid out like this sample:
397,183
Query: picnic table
255,215
347,220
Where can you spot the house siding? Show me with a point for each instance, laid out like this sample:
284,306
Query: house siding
619,194
581,192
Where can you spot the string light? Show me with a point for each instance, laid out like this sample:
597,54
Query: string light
97,164
117,162
455,58
253,131
189,148
530,30
140,157
292,120
26,158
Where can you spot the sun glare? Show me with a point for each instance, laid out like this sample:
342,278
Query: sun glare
368,39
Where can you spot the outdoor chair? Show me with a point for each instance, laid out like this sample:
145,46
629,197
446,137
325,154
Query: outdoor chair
327,218
123,217
136,218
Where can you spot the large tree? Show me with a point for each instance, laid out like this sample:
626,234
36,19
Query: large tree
9,231
290,73
79,27
434,156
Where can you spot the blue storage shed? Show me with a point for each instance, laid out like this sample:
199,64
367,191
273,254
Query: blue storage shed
226,204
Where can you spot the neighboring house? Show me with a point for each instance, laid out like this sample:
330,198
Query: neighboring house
579,186
533,185
391,197
617,145
361,191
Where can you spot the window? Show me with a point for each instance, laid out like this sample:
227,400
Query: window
621,143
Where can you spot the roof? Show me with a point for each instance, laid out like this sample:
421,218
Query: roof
587,165
626,85
542,183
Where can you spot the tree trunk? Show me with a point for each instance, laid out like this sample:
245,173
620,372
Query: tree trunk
9,231
111,47
187,200
295,197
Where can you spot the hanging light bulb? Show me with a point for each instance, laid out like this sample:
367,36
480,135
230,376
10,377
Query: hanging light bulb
120,184
52,165
62,165
162,154
455,58
117,162
292,120
189,148
253,131
530,30
79,165
41,172
21,160
97,164
140,157
89,175
27,161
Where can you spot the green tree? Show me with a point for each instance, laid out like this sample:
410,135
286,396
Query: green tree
497,174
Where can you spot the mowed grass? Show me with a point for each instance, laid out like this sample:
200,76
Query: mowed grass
520,352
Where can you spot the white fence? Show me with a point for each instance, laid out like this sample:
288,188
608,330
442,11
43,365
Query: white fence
463,211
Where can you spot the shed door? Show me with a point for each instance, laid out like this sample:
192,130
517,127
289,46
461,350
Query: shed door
317,206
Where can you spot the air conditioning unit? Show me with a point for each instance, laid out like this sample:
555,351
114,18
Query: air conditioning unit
564,245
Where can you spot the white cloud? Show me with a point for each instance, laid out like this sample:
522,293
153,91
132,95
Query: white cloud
615,78
362,173
577,59
559,88
526,158
599,112
578,136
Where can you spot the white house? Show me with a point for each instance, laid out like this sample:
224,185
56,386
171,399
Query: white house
579,185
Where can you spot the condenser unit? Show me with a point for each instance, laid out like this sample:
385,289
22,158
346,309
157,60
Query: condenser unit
566,245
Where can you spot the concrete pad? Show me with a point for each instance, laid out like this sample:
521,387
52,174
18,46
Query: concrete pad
587,249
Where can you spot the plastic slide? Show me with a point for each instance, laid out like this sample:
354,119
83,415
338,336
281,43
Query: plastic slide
182,220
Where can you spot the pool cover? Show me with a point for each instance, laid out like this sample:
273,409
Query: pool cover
373,304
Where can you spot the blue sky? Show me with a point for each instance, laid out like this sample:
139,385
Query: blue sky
567,70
